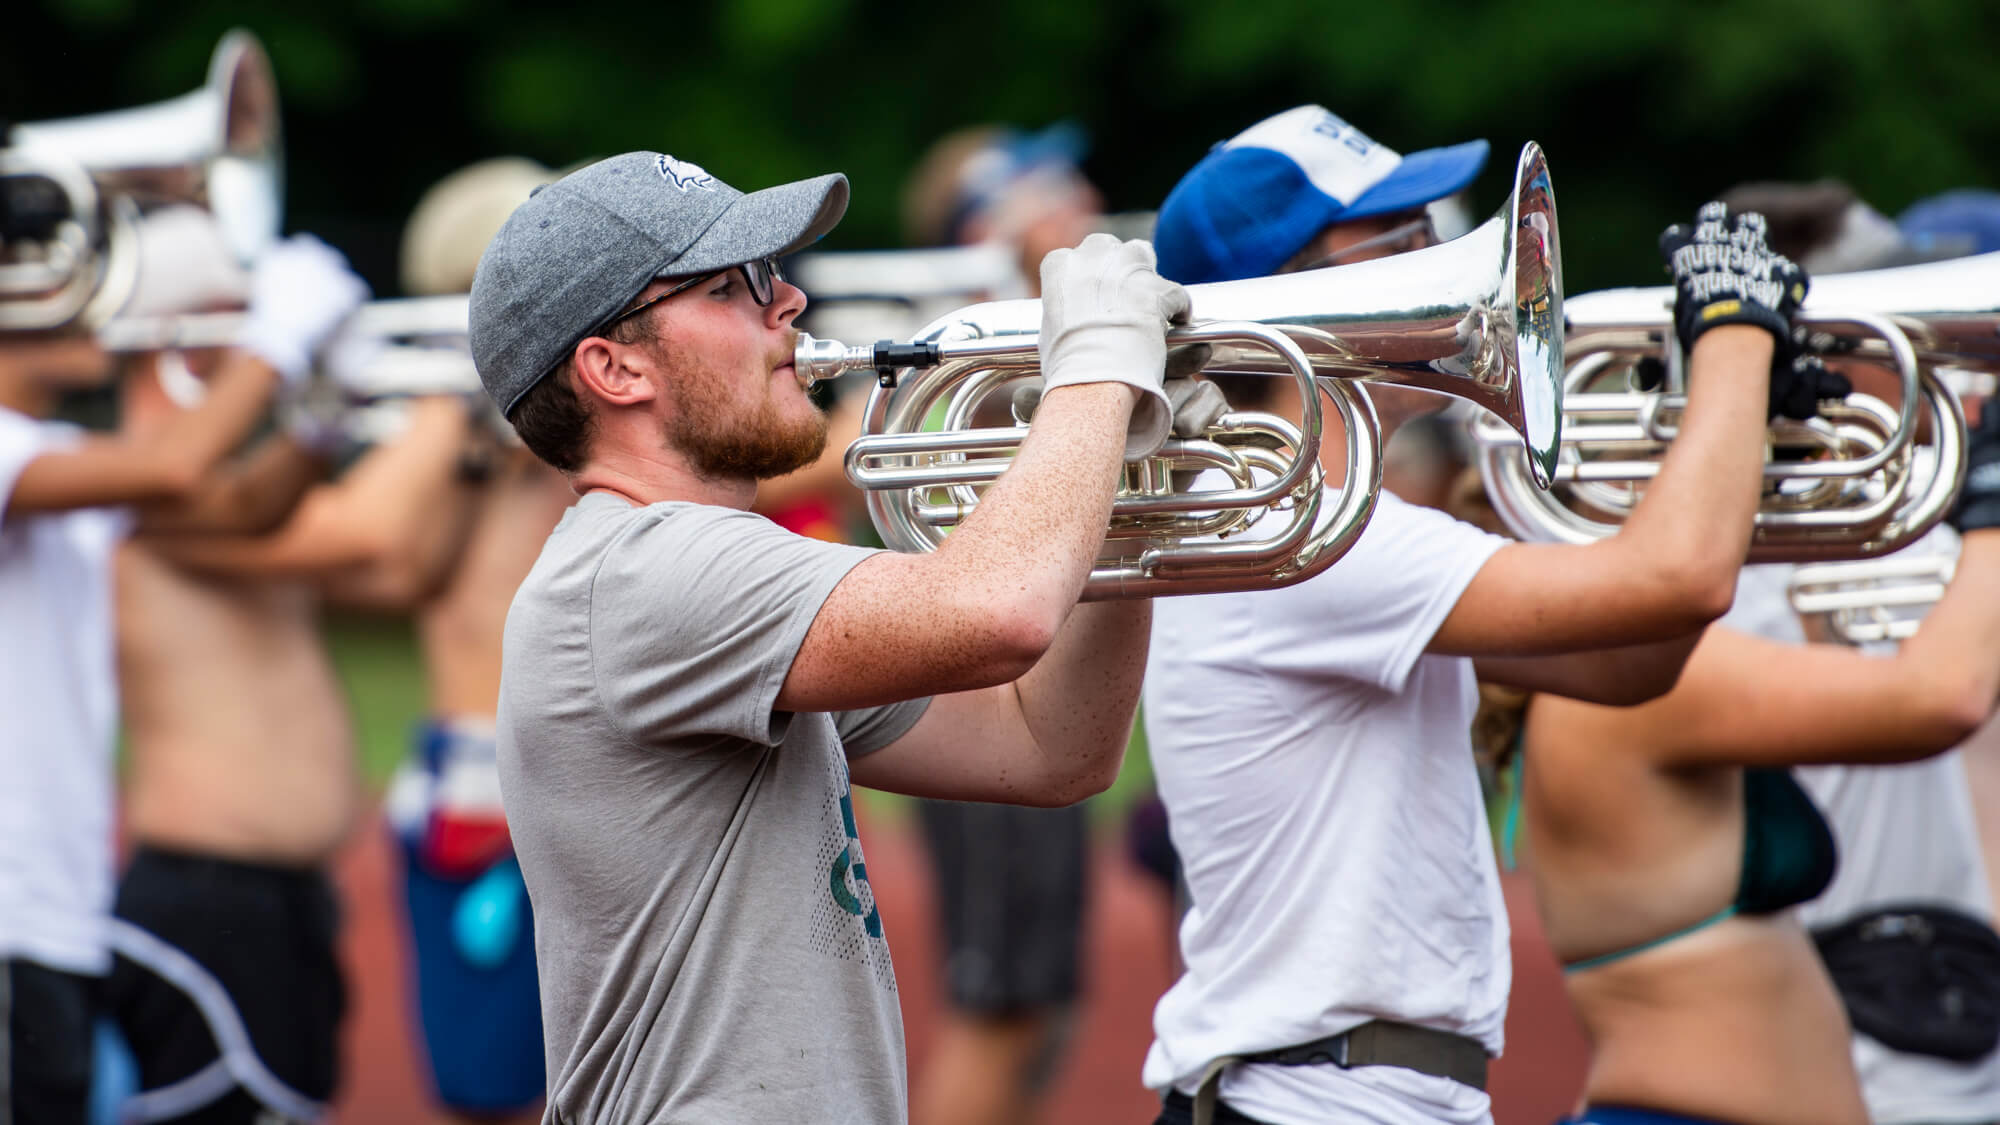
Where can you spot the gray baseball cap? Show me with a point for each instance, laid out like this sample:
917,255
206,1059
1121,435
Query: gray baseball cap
583,247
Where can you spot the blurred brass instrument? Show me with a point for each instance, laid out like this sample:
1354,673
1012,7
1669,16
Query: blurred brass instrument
878,294
399,348
1865,601
1476,318
385,354
1856,482
80,182
893,294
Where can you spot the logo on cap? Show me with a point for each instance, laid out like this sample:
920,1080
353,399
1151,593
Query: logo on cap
1342,162
684,175
1335,129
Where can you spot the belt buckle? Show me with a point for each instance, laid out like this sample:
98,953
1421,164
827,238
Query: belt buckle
1333,1049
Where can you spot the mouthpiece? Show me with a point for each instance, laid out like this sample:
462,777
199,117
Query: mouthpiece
826,359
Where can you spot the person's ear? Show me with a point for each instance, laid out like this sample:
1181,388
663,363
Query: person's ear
613,372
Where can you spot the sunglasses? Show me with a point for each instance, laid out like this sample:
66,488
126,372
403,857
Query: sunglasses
761,275
1413,235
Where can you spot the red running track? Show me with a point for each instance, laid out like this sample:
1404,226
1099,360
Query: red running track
1128,969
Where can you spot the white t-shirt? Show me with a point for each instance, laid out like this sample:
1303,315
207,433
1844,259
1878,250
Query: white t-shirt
59,693
1906,833
1318,775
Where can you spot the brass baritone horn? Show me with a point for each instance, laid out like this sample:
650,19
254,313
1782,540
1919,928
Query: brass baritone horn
1865,487
1477,318
218,147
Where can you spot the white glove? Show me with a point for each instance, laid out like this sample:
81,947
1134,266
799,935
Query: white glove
184,265
1197,403
300,291
1105,314
1198,406
351,361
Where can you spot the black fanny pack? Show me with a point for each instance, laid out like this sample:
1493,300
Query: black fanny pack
1920,979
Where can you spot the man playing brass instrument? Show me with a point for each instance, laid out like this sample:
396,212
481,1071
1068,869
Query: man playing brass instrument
241,779
478,1007
687,689
1346,946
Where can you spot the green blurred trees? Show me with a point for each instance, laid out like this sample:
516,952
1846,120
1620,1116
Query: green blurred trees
1646,107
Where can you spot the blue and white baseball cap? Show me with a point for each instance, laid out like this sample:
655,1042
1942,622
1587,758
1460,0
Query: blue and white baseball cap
1258,198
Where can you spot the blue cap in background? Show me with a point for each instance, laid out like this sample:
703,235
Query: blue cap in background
1256,199
1955,223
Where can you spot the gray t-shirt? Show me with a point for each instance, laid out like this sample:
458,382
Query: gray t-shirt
708,944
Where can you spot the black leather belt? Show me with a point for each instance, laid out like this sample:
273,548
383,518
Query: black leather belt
1375,1043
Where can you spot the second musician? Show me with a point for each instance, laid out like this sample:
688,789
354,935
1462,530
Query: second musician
1346,947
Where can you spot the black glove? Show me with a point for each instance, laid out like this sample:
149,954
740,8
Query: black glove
1649,373
1726,273
1979,500
1798,387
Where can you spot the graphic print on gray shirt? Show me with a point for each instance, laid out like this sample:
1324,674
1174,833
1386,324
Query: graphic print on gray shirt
708,944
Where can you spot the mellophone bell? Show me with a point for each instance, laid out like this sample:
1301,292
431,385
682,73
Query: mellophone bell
71,190
73,193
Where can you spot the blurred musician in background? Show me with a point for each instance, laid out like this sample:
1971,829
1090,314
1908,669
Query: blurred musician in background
471,930
1910,910
1667,840
1004,186
243,781
1010,880
1346,944
1953,223
67,499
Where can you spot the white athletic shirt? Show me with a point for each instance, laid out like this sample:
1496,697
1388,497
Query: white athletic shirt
1318,775
59,696
1906,833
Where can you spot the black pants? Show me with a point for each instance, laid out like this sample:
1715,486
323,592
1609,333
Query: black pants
1010,890
211,948
1179,1110
45,1015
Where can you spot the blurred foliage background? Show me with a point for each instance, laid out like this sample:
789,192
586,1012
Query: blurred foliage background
1646,107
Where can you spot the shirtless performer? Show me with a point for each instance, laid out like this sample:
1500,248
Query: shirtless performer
242,780
471,931
405,531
